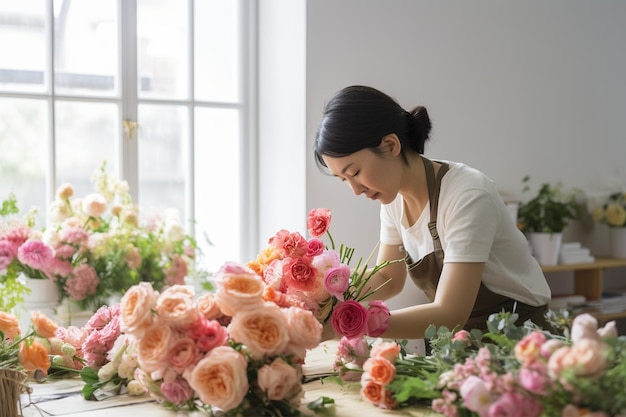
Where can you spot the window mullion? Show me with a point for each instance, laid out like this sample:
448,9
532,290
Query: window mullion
128,146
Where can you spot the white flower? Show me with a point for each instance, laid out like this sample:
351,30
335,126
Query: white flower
107,372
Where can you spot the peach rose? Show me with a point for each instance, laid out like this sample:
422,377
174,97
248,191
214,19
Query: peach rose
176,307
94,205
136,308
33,355
238,289
584,326
590,357
220,378
380,369
387,350
372,391
207,304
154,346
529,348
279,379
263,331
304,329
559,361
9,325
43,325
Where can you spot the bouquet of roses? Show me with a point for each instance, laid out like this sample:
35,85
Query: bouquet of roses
510,370
307,274
229,351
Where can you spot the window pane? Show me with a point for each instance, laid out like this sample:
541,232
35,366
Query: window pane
162,157
24,155
217,184
217,50
87,136
86,47
23,58
163,49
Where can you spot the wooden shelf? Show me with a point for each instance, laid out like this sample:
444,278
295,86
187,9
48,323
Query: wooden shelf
588,280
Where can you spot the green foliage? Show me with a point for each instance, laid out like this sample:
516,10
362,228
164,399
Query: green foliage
550,211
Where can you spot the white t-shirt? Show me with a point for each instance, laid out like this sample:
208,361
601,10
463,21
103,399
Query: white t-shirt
474,225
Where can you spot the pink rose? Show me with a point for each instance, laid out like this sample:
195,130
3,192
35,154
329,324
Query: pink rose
263,331
349,319
314,247
183,354
318,221
476,395
337,280
378,317
221,378
529,348
299,275
461,336
279,379
136,308
208,334
178,391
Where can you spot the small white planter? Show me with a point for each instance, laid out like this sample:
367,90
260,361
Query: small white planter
546,247
617,237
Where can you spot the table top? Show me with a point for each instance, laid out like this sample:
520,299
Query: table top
63,397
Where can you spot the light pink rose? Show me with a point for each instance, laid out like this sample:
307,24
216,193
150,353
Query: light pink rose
238,288
183,354
608,331
136,308
378,317
387,350
559,361
337,280
590,357
476,395
279,379
94,205
549,347
263,331
178,391
221,378
584,326
349,319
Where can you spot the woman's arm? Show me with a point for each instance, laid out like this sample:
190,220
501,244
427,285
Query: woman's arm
454,300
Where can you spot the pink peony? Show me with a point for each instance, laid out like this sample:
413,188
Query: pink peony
349,319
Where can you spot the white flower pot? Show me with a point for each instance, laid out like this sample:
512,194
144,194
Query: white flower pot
546,247
44,297
617,237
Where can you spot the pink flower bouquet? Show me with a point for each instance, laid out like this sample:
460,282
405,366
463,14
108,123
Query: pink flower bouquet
229,351
509,371
307,274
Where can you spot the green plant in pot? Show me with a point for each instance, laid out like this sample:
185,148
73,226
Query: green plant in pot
549,212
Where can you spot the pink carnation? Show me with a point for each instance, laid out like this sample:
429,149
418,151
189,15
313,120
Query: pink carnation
35,254
6,254
83,282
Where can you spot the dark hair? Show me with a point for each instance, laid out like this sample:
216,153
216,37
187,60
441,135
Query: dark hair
358,117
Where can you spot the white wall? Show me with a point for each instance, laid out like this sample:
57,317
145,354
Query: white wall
513,89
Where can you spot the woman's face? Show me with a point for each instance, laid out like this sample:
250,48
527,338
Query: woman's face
377,176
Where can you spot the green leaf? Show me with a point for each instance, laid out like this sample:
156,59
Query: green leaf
320,404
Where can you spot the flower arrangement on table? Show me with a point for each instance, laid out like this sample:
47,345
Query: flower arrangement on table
613,211
101,248
307,274
228,351
508,371
22,251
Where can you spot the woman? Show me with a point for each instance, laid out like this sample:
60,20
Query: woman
471,260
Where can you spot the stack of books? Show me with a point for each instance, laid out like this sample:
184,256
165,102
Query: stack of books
574,253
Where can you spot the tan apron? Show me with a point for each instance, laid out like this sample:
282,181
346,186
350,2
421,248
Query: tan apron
425,272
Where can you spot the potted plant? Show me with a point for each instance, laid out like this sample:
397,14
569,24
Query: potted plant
613,214
544,217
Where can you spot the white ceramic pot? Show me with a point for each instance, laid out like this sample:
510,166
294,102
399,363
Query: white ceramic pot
617,236
44,297
546,247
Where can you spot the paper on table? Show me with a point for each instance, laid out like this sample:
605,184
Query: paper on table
319,361
77,404
57,387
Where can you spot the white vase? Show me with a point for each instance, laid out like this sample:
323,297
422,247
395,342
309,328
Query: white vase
546,247
617,237
44,297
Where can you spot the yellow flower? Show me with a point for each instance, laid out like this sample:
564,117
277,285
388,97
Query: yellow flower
615,215
598,214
